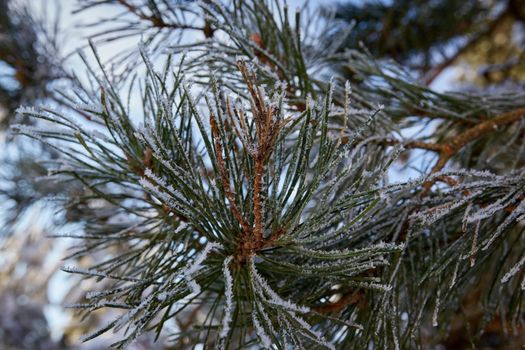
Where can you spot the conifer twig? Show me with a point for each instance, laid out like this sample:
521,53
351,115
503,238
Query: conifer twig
225,177
451,148
156,21
267,129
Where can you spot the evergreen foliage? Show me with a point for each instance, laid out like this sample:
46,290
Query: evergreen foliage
253,190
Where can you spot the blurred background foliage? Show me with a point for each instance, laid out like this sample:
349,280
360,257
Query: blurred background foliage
484,38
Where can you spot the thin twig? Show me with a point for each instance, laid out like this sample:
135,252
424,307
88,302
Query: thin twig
225,178
413,144
157,21
451,148
267,128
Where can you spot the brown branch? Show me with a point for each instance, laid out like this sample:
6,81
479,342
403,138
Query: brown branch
486,127
423,145
451,148
225,178
157,21
413,144
267,128
257,205
263,118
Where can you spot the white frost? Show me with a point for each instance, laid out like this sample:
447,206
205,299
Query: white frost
228,279
194,267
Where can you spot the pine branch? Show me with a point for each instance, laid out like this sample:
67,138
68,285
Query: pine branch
280,229
161,160
155,19
225,177
453,146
